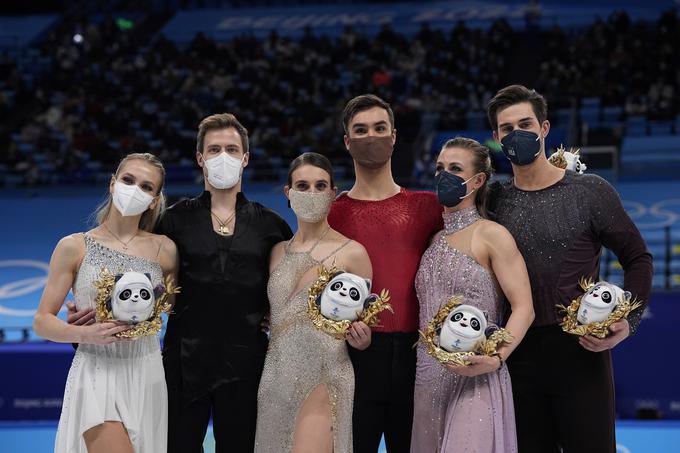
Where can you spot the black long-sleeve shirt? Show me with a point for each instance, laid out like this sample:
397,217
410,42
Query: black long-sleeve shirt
214,335
560,231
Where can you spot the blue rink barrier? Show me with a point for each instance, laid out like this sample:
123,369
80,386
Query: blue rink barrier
631,437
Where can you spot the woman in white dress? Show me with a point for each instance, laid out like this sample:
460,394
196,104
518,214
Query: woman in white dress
115,399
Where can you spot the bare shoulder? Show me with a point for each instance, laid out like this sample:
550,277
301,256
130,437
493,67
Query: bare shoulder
72,245
69,253
355,250
352,249
278,248
493,232
166,243
276,254
354,258
167,253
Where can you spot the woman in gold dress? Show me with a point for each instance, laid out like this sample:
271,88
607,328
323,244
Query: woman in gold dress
307,387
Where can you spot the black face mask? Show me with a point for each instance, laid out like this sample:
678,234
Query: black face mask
521,147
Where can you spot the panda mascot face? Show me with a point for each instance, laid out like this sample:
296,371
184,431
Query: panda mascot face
133,298
599,301
463,329
344,297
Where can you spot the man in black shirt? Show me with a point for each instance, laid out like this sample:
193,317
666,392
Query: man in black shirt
562,385
214,347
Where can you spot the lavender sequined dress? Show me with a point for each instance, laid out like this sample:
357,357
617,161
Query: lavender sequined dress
453,413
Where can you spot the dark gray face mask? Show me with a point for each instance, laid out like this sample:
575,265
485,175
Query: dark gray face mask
521,147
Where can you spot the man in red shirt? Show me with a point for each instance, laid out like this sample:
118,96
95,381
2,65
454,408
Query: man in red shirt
395,226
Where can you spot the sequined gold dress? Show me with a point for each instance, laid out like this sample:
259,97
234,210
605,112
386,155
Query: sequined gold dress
299,359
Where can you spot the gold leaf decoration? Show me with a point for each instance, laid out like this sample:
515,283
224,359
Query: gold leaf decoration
338,329
557,158
488,347
600,329
151,326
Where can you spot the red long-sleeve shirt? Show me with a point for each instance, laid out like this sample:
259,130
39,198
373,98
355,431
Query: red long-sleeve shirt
395,232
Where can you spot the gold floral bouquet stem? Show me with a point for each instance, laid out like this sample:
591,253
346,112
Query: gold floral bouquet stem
600,329
151,326
338,329
489,347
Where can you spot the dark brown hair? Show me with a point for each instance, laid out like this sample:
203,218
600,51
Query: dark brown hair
314,159
516,94
221,121
482,164
361,103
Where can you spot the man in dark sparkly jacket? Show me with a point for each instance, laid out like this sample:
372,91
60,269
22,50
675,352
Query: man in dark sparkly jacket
563,385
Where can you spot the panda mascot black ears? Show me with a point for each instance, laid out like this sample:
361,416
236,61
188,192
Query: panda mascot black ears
370,299
491,329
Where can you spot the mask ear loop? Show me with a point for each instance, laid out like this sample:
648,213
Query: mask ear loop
465,183
538,139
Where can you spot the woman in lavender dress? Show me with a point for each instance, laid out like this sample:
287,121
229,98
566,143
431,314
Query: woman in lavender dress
468,408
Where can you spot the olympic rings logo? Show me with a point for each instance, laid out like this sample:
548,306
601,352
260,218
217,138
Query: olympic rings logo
23,286
667,211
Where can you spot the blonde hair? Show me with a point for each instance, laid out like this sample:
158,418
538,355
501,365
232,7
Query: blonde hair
150,217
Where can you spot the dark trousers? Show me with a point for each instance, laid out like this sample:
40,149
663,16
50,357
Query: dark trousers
383,392
563,394
233,407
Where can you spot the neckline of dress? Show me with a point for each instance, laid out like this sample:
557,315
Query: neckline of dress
99,244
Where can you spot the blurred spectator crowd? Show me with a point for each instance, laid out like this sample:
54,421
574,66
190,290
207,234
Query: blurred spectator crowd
71,106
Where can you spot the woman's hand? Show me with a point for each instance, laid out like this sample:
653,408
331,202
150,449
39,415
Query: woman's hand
359,335
479,364
102,333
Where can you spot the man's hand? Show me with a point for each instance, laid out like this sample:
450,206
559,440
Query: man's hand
619,332
83,317
103,333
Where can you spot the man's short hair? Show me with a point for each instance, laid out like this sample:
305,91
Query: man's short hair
516,94
361,103
221,121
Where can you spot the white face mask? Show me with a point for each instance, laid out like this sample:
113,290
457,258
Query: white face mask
310,206
130,199
224,171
